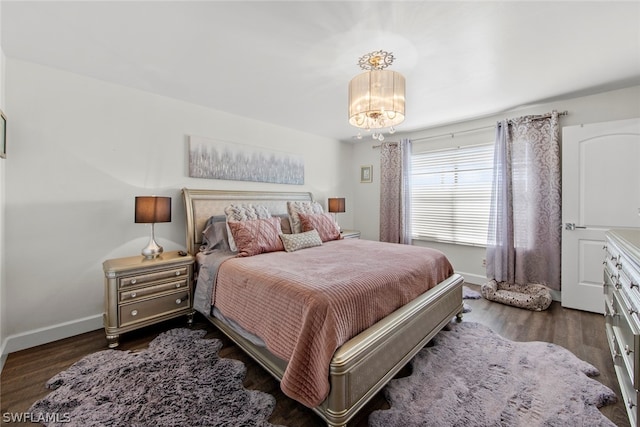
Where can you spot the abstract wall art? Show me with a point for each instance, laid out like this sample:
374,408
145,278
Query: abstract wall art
213,159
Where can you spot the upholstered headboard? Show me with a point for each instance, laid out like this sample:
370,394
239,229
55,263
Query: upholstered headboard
200,205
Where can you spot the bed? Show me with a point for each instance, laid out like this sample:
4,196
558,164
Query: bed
363,364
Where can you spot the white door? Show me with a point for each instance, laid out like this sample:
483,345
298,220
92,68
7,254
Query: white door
600,190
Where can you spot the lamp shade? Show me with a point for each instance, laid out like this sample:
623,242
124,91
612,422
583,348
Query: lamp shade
336,204
150,209
376,99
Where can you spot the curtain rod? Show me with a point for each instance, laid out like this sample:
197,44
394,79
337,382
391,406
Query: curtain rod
453,134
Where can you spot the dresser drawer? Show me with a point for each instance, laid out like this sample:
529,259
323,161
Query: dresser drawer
609,319
622,296
627,336
140,279
629,393
145,292
143,310
629,288
609,287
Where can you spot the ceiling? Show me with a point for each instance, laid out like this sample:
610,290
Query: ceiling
289,62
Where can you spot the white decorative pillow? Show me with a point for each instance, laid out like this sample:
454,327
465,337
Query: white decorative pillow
237,213
295,242
296,208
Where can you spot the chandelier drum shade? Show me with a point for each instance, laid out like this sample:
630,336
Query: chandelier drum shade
377,96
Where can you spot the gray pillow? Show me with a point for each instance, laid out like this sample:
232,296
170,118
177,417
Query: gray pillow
214,235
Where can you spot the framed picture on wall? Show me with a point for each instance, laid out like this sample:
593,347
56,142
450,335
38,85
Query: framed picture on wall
3,135
366,173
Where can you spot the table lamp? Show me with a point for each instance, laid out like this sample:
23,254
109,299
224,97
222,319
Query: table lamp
336,205
152,209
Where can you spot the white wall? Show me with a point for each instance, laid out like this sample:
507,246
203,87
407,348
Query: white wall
3,311
81,150
613,105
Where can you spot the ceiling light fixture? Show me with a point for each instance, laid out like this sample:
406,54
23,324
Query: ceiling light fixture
377,96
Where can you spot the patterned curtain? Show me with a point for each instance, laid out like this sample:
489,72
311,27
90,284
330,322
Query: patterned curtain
523,244
395,197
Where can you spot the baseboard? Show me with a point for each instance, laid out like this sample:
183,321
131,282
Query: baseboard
49,334
474,279
3,355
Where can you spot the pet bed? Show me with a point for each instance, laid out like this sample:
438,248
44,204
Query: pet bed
532,296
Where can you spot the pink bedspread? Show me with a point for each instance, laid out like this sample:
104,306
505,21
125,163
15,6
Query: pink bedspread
305,304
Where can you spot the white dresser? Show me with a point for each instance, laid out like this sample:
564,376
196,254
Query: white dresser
622,303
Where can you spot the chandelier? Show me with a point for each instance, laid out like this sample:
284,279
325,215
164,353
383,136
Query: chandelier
376,97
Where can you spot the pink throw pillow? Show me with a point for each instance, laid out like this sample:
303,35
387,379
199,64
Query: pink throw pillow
322,223
257,236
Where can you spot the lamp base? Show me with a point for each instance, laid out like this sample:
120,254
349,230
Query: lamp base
335,219
153,249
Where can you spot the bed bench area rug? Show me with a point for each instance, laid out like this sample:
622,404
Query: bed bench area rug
179,380
471,376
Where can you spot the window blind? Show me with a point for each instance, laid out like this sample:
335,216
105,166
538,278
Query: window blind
451,194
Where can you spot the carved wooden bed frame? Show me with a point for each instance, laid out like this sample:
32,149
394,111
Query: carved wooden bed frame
364,364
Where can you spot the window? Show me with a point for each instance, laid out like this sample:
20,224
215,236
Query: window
451,194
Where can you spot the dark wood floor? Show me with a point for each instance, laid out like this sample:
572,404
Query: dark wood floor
26,372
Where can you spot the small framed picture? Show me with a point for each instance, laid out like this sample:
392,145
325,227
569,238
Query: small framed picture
3,136
366,173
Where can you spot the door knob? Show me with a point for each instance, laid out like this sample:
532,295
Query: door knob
572,226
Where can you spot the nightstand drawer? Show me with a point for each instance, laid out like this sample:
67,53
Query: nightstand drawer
140,279
139,292
143,310
134,294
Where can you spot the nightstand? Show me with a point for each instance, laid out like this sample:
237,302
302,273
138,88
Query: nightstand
350,234
139,292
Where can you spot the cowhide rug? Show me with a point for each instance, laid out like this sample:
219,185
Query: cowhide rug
471,376
179,380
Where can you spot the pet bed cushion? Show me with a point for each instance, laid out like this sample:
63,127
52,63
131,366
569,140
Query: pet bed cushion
531,296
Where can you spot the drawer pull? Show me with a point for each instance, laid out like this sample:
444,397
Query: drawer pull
627,350
630,404
631,311
180,300
133,295
133,281
134,312
634,285
177,285
177,273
